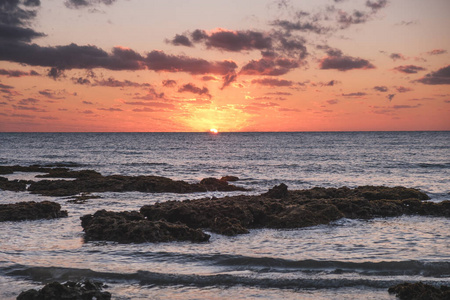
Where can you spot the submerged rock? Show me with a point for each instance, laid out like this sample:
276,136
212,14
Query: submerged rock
86,290
420,291
280,208
13,185
22,211
119,183
90,181
132,227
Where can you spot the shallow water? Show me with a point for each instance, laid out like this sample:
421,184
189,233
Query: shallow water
349,259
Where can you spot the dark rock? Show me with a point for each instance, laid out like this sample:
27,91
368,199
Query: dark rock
119,183
132,227
31,211
228,226
82,198
86,290
229,178
278,192
13,185
420,291
280,208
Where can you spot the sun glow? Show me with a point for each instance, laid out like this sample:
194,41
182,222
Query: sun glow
213,131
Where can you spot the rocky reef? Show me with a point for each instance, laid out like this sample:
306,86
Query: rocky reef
86,290
31,210
278,208
90,181
420,291
132,227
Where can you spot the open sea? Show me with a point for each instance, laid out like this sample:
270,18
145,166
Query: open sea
348,259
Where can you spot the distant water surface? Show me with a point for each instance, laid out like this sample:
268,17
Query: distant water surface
349,259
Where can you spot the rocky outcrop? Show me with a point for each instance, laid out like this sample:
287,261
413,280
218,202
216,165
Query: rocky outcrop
13,185
280,208
90,181
86,290
420,291
120,183
22,211
132,227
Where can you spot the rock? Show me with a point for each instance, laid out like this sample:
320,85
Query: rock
119,183
229,178
228,226
419,291
13,185
82,198
22,211
132,227
280,208
86,290
278,192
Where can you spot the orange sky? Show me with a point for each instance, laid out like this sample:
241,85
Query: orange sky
253,65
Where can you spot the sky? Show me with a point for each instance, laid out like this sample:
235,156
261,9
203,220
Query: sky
247,65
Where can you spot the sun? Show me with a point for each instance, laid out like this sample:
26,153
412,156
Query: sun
213,131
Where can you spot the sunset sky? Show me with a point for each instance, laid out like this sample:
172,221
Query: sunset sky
247,65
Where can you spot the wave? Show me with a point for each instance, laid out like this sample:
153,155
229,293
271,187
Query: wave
147,278
268,264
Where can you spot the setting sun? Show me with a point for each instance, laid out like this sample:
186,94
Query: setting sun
213,131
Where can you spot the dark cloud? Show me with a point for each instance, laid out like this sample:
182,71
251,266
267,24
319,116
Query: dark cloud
71,56
5,88
308,26
344,63
280,93
17,73
409,69
382,89
357,17
333,101
273,82
357,94
81,80
235,41
441,76
437,52
390,96
159,61
51,94
18,12
396,56
151,95
87,102
55,73
111,109
192,88
228,79
270,67
293,46
209,78
28,101
402,89
28,108
408,23
169,83
15,33
84,3
376,5
329,83
111,82
180,40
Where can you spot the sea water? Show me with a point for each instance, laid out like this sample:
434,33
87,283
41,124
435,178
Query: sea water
348,259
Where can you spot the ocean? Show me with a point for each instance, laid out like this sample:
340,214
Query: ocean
348,259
